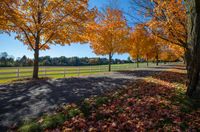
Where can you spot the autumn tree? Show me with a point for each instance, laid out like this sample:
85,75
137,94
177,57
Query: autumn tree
149,49
41,23
108,34
141,44
165,19
137,39
193,7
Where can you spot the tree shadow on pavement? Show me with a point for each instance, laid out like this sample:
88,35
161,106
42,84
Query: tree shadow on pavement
32,98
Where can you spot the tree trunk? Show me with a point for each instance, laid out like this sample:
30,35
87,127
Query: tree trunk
157,59
109,64
36,57
36,68
147,61
184,56
193,64
187,57
184,60
137,61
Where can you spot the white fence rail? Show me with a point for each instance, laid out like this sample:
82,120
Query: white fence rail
60,71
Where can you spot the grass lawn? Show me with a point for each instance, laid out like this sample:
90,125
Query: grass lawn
155,103
9,74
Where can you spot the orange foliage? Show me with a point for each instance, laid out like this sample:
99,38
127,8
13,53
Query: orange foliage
166,20
169,21
169,25
143,44
108,35
46,21
171,52
40,23
3,21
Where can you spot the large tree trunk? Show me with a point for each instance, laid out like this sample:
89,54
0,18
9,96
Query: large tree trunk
193,63
187,57
109,63
36,68
36,57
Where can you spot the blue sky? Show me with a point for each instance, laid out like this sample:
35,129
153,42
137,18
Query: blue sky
16,48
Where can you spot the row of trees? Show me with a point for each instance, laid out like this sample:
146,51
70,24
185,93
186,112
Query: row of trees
147,46
7,60
110,34
40,23
175,23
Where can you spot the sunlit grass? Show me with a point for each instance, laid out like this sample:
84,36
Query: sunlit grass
11,73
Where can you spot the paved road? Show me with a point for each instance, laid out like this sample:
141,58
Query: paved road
20,101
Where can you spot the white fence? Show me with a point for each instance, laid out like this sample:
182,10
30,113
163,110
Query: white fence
59,71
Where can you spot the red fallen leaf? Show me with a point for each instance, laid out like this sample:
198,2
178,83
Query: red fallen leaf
129,92
140,125
104,126
112,106
131,100
66,129
123,117
128,109
177,120
114,124
92,129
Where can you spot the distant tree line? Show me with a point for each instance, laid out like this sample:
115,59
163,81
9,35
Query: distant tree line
9,61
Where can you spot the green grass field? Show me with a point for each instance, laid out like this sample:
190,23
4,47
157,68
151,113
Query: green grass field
8,74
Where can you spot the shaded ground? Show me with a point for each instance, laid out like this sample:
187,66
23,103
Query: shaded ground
20,101
155,102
